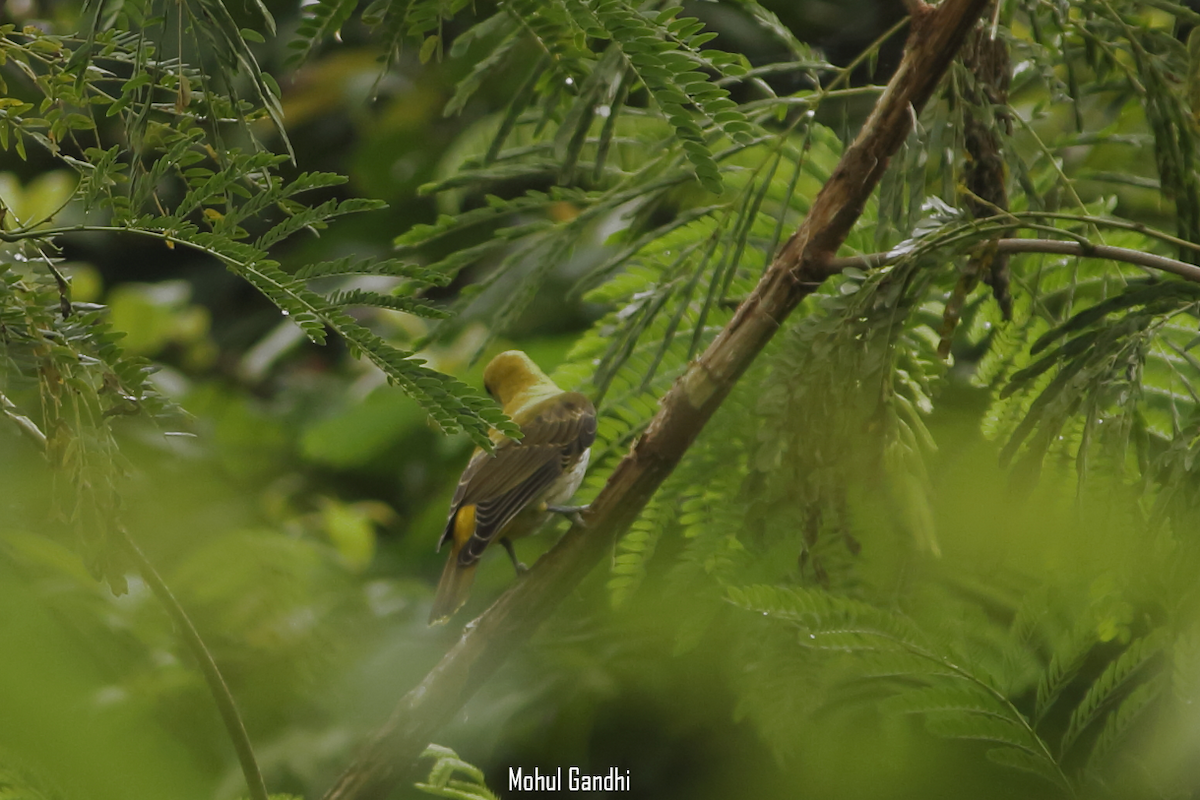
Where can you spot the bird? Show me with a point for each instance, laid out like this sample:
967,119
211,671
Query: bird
506,493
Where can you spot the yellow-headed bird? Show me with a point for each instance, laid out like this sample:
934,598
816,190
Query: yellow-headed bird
500,495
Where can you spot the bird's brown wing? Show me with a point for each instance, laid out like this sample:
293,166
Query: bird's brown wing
501,485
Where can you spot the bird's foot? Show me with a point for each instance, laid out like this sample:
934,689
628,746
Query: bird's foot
512,555
572,513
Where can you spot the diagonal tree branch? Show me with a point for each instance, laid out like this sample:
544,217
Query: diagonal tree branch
798,269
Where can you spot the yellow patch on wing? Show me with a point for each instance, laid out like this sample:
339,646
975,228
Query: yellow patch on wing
464,525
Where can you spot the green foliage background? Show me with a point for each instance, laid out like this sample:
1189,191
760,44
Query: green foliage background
255,257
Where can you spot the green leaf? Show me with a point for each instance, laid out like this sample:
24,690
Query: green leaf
1025,761
1115,677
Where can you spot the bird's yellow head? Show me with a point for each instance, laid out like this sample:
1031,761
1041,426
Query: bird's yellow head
514,380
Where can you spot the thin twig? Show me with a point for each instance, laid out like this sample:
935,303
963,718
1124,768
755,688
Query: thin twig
1183,269
212,675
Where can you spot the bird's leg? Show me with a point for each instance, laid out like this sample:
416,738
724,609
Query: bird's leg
512,554
571,512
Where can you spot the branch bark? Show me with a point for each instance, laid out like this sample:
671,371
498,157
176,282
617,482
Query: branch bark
798,269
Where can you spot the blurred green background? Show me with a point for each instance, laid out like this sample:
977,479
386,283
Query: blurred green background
297,526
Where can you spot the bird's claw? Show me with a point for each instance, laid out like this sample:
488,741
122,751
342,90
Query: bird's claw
573,513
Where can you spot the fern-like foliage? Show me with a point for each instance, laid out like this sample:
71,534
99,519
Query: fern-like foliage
958,703
231,205
622,108
865,363
322,20
662,176
17,783
1099,365
789,504
948,682
165,149
452,777
67,384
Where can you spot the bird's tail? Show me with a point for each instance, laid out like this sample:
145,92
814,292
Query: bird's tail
452,590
